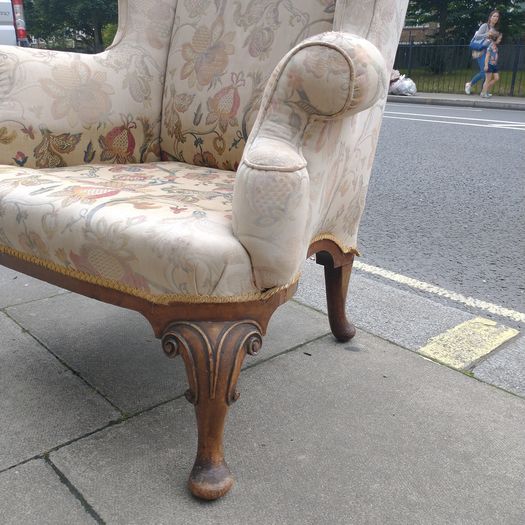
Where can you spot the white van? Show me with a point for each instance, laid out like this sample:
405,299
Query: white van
7,24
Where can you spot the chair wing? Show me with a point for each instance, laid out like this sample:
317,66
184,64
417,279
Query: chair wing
306,166
63,109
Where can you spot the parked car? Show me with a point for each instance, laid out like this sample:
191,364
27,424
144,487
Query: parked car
7,24
12,23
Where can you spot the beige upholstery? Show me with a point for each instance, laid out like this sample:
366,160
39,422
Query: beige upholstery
198,156
64,109
160,230
222,54
324,79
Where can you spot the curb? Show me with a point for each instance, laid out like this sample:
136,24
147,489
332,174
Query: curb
472,103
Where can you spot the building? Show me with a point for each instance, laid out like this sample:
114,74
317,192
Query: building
419,34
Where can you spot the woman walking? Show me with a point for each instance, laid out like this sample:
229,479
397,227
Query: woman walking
482,34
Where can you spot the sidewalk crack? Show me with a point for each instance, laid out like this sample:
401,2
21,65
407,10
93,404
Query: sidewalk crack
75,492
64,363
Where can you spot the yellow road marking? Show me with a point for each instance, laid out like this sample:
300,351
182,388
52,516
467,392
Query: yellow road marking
467,342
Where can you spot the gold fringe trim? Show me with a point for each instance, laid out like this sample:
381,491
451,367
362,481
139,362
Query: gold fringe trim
163,299
333,238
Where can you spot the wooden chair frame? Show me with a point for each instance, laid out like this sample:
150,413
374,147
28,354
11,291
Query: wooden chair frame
213,340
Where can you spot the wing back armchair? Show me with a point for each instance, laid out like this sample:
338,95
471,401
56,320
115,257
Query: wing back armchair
187,172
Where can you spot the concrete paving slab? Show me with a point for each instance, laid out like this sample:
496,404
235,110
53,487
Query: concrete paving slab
42,404
506,367
115,350
112,348
292,324
402,317
329,433
18,288
33,493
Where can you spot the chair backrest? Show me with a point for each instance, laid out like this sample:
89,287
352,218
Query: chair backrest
222,53
67,108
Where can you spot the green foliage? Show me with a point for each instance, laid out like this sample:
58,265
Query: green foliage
459,19
108,34
81,20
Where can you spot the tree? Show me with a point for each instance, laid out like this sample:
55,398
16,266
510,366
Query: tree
422,11
459,19
79,19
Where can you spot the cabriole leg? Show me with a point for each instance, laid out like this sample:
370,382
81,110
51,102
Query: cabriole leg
213,354
336,281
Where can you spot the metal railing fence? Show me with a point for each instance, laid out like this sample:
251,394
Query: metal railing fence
444,68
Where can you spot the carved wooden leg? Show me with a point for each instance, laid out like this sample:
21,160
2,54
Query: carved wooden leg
336,280
213,354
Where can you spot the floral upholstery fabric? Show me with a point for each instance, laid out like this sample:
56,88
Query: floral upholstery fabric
63,109
346,148
160,229
327,77
266,125
322,182
222,54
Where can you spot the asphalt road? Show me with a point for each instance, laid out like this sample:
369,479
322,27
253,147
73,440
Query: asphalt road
446,200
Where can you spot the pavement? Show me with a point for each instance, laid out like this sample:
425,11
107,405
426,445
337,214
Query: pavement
462,100
380,430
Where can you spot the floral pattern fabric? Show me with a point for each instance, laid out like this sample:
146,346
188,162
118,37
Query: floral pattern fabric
197,84
326,77
346,149
159,228
222,54
63,109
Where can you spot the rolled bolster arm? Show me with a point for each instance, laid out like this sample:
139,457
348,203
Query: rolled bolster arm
327,77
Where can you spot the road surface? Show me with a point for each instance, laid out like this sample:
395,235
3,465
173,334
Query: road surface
446,201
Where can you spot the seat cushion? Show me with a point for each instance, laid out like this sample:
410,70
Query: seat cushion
161,231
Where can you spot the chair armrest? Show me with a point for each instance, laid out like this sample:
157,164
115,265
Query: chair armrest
330,76
40,88
61,108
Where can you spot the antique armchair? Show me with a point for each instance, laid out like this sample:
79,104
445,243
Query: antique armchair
188,171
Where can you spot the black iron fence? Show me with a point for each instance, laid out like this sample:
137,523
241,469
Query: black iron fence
444,68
